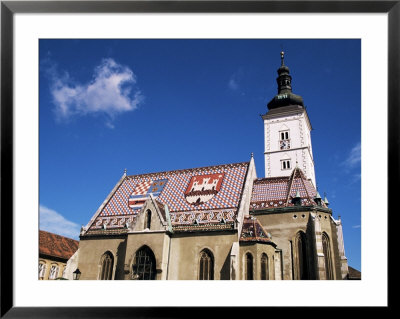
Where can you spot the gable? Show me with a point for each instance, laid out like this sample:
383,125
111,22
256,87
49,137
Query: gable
156,217
275,192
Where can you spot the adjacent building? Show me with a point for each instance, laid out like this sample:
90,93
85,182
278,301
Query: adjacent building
54,253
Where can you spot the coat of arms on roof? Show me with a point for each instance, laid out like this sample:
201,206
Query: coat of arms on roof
143,190
202,188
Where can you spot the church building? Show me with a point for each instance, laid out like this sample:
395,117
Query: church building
223,222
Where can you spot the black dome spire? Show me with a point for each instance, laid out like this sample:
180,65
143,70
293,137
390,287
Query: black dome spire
285,96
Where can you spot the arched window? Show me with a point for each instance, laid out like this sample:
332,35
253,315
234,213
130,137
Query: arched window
147,222
53,272
206,271
249,267
264,267
301,257
107,263
42,270
328,257
144,266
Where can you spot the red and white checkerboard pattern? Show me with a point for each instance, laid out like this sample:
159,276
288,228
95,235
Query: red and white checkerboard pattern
142,188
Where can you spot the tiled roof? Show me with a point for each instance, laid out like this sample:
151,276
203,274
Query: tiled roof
218,190
56,246
354,273
275,192
253,231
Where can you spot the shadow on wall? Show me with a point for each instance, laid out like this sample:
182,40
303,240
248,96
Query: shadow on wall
119,270
225,271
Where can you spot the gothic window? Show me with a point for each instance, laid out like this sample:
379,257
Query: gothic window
301,257
328,257
107,263
42,270
53,272
206,271
249,267
264,267
147,222
285,164
144,267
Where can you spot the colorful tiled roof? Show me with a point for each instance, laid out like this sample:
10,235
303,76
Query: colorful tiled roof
56,246
275,192
205,194
253,231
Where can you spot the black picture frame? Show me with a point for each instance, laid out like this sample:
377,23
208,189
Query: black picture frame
9,8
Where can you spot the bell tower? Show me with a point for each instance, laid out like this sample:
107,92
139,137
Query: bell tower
287,131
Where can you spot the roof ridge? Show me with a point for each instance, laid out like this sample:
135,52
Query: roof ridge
189,169
45,231
291,179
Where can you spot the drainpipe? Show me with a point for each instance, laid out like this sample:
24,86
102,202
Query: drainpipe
170,236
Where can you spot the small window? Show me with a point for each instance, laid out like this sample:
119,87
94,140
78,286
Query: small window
53,272
264,267
42,270
147,222
285,164
249,266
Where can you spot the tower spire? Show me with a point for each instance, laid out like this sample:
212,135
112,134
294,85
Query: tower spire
285,96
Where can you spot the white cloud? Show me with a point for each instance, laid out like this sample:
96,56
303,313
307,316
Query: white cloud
356,226
233,84
109,92
354,157
54,222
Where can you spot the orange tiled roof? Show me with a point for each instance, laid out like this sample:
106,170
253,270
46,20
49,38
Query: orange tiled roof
57,246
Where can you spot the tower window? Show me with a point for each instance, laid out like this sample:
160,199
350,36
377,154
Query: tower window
284,141
285,164
284,135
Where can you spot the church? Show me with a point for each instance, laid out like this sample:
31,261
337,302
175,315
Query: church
223,222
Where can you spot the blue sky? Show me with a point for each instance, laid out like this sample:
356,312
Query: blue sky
158,105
